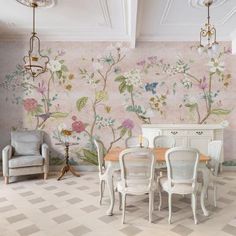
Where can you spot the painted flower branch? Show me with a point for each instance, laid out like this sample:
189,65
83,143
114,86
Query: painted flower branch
103,67
21,83
207,92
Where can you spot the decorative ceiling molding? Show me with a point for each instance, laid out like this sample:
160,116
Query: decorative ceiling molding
174,38
125,15
69,37
166,12
227,17
105,12
200,3
196,4
40,3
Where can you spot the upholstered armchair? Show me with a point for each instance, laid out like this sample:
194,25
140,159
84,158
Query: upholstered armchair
26,155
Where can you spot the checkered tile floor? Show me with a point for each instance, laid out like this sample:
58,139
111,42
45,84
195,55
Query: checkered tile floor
70,208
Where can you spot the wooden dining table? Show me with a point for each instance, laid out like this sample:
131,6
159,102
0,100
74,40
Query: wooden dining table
112,163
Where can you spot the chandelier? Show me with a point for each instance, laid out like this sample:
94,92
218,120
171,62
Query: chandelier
35,62
208,41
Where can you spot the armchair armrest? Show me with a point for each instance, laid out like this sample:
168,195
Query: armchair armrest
6,156
45,155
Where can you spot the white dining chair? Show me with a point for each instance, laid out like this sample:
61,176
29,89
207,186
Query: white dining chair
214,151
181,177
137,176
101,168
134,141
164,141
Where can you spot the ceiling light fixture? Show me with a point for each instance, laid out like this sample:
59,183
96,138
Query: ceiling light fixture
210,45
35,62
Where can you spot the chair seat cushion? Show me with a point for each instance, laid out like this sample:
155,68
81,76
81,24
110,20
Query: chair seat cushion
25,161
176,188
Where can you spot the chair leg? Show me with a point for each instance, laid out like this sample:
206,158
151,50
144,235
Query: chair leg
215,193
101,189
120,201
45,176
123,208
151,204
194,207
170,207
160,201
207,193
6,178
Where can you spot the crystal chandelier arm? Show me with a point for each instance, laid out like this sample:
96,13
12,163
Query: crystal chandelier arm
204,32
213,32
200,38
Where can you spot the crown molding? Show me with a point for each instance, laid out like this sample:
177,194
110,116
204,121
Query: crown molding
105,12
196,4
200,3
66,38
169,38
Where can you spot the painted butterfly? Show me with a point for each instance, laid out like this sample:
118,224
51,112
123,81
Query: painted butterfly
151,87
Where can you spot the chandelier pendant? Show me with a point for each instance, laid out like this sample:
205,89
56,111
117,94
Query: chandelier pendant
208,35
35,62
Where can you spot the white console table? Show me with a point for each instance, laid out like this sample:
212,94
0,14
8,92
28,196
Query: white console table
187,135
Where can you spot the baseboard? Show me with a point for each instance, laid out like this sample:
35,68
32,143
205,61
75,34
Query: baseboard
89,168
229,168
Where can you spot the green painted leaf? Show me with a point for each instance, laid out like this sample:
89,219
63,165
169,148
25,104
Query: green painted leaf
130,133
90,156
123,132
130,88
191,105
59,74
81,103
101,95
122,87
64,68
220,111
59,114
120,78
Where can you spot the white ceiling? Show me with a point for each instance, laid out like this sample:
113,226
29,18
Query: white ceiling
117,20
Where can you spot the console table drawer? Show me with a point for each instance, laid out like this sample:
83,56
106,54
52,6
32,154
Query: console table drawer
200,132
175,132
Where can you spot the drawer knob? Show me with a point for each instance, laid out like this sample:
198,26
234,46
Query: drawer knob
174,132
199,132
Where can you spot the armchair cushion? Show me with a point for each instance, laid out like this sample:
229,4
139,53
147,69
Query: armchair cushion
25,161
26,148
26,136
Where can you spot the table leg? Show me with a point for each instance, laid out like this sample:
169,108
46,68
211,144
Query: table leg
73,171
63,171
110,187
205,175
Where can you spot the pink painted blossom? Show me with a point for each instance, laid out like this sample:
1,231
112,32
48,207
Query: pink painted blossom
152,59
30,104
128,124
203,84
74,118
78,126
141,63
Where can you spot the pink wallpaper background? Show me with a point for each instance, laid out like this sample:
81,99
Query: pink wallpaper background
107,91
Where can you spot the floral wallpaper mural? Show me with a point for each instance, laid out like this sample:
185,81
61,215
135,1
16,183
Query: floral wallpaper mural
40,105
106,91
208,87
